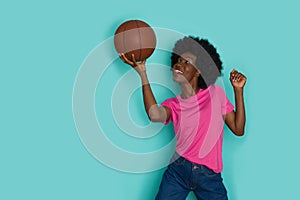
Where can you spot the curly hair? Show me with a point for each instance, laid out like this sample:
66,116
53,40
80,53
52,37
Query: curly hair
208,60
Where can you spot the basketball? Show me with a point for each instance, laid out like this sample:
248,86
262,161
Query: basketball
135,37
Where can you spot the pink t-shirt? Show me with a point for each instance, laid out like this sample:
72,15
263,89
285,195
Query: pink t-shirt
199,125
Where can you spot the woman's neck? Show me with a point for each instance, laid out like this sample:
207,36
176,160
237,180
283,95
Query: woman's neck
188,90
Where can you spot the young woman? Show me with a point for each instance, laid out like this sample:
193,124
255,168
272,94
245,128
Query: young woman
198,115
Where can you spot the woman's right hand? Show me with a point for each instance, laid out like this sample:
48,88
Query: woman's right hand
138,66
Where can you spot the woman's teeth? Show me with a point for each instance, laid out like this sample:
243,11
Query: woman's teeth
178,71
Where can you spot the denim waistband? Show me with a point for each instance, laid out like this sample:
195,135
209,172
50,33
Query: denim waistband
176,157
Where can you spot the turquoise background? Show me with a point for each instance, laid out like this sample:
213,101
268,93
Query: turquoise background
42,46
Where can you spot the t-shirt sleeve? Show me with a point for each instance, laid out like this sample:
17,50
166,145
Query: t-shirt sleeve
168,103
227,106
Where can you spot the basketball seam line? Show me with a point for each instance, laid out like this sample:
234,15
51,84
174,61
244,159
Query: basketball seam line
123,34
140,39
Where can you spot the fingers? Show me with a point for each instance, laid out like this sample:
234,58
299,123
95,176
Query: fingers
133,59
135,62
125,59
131,62
236,76
233,74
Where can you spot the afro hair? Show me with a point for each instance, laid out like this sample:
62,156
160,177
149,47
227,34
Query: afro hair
208,60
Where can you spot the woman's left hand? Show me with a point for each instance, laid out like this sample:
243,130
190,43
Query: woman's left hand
237,79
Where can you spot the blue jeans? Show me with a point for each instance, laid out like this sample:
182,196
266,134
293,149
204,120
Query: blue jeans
183,176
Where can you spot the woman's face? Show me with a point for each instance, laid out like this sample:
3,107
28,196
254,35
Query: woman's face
185,68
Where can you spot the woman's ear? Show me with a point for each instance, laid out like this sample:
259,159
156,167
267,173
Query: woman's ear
197,74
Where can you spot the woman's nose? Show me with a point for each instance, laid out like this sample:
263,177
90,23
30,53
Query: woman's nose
177,65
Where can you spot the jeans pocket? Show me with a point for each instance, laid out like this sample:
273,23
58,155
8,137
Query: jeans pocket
179,161
209,172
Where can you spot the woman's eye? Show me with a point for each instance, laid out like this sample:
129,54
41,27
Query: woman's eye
187,62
